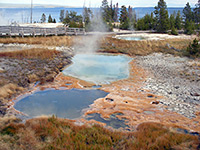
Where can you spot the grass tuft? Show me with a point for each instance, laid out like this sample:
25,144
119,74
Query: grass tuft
46,41
54,133
133,48
31,54
9,89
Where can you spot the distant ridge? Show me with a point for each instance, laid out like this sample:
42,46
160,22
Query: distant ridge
167,7
7,5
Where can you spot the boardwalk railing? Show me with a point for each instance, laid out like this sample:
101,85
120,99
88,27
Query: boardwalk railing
38,31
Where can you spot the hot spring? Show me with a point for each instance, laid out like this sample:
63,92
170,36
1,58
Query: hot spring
62,103
99,68
96,68
130,38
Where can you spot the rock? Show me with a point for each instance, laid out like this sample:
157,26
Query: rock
2,111
168,45
176,87
1,69
168,82
150,95
125,89
194,94
110,99
155,102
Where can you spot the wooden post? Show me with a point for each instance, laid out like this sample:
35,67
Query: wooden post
10,32
56,32
33,32
75,31
65,28
22,32
45,32
84,32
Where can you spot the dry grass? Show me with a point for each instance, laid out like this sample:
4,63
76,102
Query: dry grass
132,48
47,41
53,133
31,54
33,78
156,136
4,121
40,63
108,44
8,90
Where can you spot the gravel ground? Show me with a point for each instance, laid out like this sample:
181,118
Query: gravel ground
175,78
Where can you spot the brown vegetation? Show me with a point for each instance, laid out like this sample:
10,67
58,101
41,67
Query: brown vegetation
109,44
53,133
157,136
31,54
20,69
8,90
133,48
47,41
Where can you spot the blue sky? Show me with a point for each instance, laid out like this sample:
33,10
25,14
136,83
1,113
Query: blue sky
97,3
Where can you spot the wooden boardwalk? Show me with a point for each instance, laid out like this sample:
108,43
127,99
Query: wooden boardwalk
38,31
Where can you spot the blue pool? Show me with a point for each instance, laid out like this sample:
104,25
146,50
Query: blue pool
99,68
62,103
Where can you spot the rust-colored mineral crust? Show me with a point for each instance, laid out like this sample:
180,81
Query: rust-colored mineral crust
127,97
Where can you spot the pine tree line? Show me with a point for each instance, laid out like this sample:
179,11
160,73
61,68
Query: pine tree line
160,21
126,19
50,19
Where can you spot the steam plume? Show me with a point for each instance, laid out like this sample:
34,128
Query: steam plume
90,43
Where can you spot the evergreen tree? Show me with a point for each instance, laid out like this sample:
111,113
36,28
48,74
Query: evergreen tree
194,48
116,13
189,27
66,19
174,31
87,15
140,24
178,21
105,10
74,17
187,13
111,11
131,17
172,20
161,17
124,19
50,20
145,23
197,13
152,21
73,20
43,19
62,15
130,12
54,20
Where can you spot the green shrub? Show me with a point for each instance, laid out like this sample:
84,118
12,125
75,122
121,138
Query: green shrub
174,31
189,27
194,48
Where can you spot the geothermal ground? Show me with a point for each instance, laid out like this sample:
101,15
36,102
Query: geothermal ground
154,92
161,88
